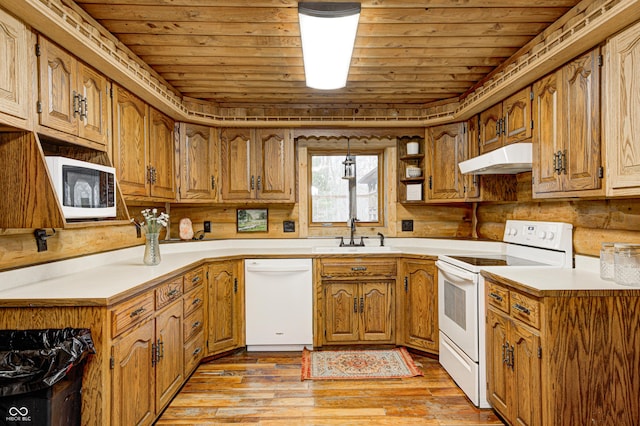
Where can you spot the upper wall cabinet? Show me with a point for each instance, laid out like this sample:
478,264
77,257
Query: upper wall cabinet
73,98
14,82
566,136
258,164
622,113
446,147
199,180
507,122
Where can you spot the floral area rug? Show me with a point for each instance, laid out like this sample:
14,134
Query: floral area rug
358,364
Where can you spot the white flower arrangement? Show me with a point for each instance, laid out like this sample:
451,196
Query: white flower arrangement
153,223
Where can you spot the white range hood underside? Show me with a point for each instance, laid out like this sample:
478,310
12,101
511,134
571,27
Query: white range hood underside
510,159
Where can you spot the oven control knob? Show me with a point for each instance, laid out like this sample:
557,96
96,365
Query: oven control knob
550,235
512,231
542,235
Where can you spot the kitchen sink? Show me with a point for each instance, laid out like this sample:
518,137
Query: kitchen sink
354,249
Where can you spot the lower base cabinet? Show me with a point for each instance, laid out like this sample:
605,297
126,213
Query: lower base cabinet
418,302
225,296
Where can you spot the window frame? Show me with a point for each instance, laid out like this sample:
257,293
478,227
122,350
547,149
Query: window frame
379,152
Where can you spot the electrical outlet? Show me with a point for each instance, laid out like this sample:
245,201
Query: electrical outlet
407,225
289,226
207,226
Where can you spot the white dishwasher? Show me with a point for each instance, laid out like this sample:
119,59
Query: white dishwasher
278,304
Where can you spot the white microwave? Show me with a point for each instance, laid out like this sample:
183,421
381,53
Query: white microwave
85,190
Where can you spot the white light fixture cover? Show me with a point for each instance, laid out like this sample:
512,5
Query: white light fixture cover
328,32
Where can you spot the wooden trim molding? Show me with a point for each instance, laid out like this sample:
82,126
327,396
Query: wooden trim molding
591,22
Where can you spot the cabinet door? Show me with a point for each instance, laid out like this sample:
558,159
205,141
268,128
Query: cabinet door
162,155
238,173
94,117
198,163
581,93
341,312
622,114
132,379
130,142
420,305
224,307
490,135
169,369
376,311
58,84
517,117
14,81
497,369
276,172
445,148
547,133
525,396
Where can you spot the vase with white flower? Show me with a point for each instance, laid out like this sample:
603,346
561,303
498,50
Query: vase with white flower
152,226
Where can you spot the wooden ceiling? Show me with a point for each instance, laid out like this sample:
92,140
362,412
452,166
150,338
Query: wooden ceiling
247,52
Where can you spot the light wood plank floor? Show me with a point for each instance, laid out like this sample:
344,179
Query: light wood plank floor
264,388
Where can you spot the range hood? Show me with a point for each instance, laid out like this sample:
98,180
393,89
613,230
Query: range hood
510,159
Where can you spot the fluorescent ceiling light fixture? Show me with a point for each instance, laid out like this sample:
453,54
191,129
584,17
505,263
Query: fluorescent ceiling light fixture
328,32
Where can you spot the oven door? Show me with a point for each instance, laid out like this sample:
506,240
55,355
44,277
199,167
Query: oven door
458,307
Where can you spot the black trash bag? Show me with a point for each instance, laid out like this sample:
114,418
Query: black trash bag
31,360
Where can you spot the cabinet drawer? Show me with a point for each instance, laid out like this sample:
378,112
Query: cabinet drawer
498,296
356,267
193,279
193,301
168,292
193,352
193,324
525,308
131,312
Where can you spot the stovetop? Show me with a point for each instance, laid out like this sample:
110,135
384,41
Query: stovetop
496,260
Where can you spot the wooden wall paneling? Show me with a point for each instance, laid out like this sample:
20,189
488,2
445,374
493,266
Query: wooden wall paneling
19,249
96,381
436,220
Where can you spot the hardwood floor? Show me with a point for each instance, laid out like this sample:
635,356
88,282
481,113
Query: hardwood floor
264,388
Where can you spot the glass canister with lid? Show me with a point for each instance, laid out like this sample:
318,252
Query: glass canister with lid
626,259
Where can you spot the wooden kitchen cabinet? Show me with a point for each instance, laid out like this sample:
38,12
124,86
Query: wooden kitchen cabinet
257,164
418,302
507,122
561,357
621,113
193,322
513,369
73,98
148,367
357,301
198,168
225,297
143,149
446,147
14,71
566,135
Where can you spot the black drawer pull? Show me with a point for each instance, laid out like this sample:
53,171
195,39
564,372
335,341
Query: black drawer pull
195,279
496,297
522,309
173,293
196,325
136,312
358,268
196,301
197,351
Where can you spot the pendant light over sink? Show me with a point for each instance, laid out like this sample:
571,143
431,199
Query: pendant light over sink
328,33
349,165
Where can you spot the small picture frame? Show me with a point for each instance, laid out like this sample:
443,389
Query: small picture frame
252,220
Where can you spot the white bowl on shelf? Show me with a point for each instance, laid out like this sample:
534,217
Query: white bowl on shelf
413,172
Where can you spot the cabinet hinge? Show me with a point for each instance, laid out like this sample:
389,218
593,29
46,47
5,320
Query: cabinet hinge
539,351
112,363
38,52
600,172
600,61
532,124
430,182
39,107
531,95
111,92
464,128
406,284
207,274
235,285
464,189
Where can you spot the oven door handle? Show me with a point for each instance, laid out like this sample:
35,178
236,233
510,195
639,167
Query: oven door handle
455,274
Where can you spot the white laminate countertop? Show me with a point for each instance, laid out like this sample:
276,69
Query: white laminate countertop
99,279
584,278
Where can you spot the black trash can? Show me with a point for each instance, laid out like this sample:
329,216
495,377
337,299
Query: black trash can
41,376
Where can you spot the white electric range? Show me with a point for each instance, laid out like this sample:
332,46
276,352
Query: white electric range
461,309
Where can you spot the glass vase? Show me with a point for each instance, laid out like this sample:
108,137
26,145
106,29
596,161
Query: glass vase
152,249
